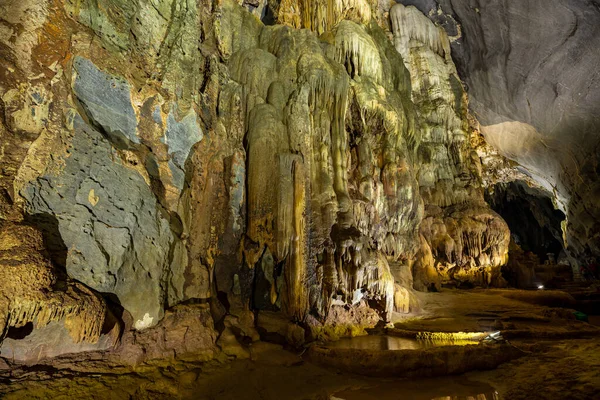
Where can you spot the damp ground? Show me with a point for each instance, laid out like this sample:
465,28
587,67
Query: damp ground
560,359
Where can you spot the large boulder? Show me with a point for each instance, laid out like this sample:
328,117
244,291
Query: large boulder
117,239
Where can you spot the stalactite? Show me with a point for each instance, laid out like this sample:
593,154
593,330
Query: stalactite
357,50
409,24
466,239
296,294
322,15
262,199
83,319
328,85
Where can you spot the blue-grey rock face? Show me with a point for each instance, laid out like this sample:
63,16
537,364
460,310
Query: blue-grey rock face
106,99
117,240
180,136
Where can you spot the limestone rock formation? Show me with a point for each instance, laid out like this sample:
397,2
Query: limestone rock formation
57,314
534,86
467,240
107,216
314,171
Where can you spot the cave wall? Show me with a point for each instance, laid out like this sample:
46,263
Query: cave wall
533,83
320,168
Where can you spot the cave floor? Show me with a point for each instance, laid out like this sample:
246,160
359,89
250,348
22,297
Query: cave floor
553,366
244,379
564,369
517,313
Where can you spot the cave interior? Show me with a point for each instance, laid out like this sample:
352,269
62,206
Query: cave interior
299,199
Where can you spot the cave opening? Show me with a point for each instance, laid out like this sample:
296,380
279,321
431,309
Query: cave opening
536,234
534,223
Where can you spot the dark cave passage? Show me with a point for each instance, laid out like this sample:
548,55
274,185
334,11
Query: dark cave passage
534,224
536,253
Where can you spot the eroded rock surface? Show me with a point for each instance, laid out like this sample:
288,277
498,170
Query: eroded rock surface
52,313
117,240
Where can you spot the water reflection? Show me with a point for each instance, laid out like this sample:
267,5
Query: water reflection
382,342
443,388
481,396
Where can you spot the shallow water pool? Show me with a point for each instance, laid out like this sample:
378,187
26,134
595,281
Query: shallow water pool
386,342
447,388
